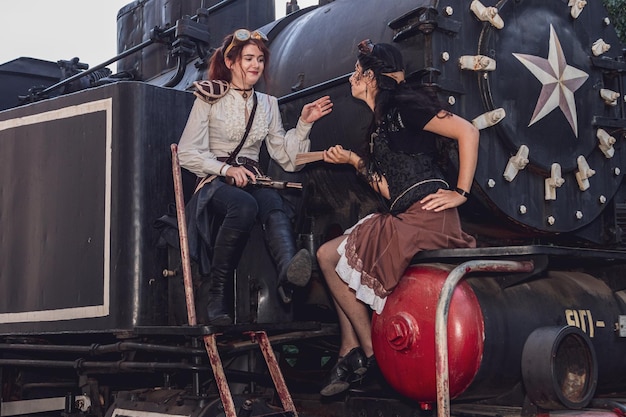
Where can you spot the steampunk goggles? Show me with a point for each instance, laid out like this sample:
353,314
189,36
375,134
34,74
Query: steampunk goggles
244,35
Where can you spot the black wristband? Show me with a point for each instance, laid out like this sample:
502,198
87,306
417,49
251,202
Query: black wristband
462,192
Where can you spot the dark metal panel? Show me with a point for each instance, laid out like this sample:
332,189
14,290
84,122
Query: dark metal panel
53,213
149,121
83,178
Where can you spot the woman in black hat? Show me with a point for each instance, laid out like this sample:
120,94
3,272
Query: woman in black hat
365,264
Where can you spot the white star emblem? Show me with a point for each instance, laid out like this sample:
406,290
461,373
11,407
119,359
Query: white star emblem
559,81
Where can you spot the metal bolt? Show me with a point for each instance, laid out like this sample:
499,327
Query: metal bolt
448,11
445,56
491,183
168,273
579,214
522,209
551,220
606,21
602,199
616,171
451,100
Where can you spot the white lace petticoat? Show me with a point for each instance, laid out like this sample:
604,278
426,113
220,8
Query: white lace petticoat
352,277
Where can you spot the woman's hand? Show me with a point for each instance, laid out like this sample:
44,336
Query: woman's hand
314,111
442,200
338,155
239,176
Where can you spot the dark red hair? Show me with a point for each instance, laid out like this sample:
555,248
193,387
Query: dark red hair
217,65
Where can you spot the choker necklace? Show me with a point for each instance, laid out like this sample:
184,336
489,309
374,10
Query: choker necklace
245,91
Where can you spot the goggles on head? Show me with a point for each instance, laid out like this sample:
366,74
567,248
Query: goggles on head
243,35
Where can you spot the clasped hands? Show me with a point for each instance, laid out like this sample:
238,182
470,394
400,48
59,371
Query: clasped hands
438,201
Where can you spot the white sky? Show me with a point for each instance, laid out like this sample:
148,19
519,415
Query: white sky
53,30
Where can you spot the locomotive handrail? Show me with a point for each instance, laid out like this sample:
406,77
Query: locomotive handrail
441,319
557,254
313,89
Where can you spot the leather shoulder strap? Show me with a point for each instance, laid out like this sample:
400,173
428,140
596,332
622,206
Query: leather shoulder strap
234,153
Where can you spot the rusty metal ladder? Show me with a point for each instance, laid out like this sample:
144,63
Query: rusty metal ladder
210,340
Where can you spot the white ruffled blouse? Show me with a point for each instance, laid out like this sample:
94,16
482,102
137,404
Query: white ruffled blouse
215,130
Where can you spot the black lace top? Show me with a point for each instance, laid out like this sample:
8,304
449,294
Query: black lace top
406,155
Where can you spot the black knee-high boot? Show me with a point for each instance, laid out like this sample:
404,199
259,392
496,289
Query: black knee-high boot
294,267
227,250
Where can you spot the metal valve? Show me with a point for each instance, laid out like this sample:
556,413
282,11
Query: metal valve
599,47
487,14
577,7
489,119
555,181
516,163
584,173
609,96
606,143
477,63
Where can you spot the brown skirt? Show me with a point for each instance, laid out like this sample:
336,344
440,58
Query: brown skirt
380,247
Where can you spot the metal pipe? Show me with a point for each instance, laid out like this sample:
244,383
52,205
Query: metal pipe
130,51
195,378
103,349
112,366
97,67
441,320
180,71
617,406
182,234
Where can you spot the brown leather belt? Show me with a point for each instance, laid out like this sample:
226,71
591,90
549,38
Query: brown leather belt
240,160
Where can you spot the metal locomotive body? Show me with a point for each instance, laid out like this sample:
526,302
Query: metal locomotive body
531,322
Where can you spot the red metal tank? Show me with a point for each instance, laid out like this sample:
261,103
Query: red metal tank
404,333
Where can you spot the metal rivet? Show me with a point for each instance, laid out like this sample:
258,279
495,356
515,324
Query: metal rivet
445,57
491,183
522,209
602,199
579,214
606,21
551,220
448,11
617,171
451,100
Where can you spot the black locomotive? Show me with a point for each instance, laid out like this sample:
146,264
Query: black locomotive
94,318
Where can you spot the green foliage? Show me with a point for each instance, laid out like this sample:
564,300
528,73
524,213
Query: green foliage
617,13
